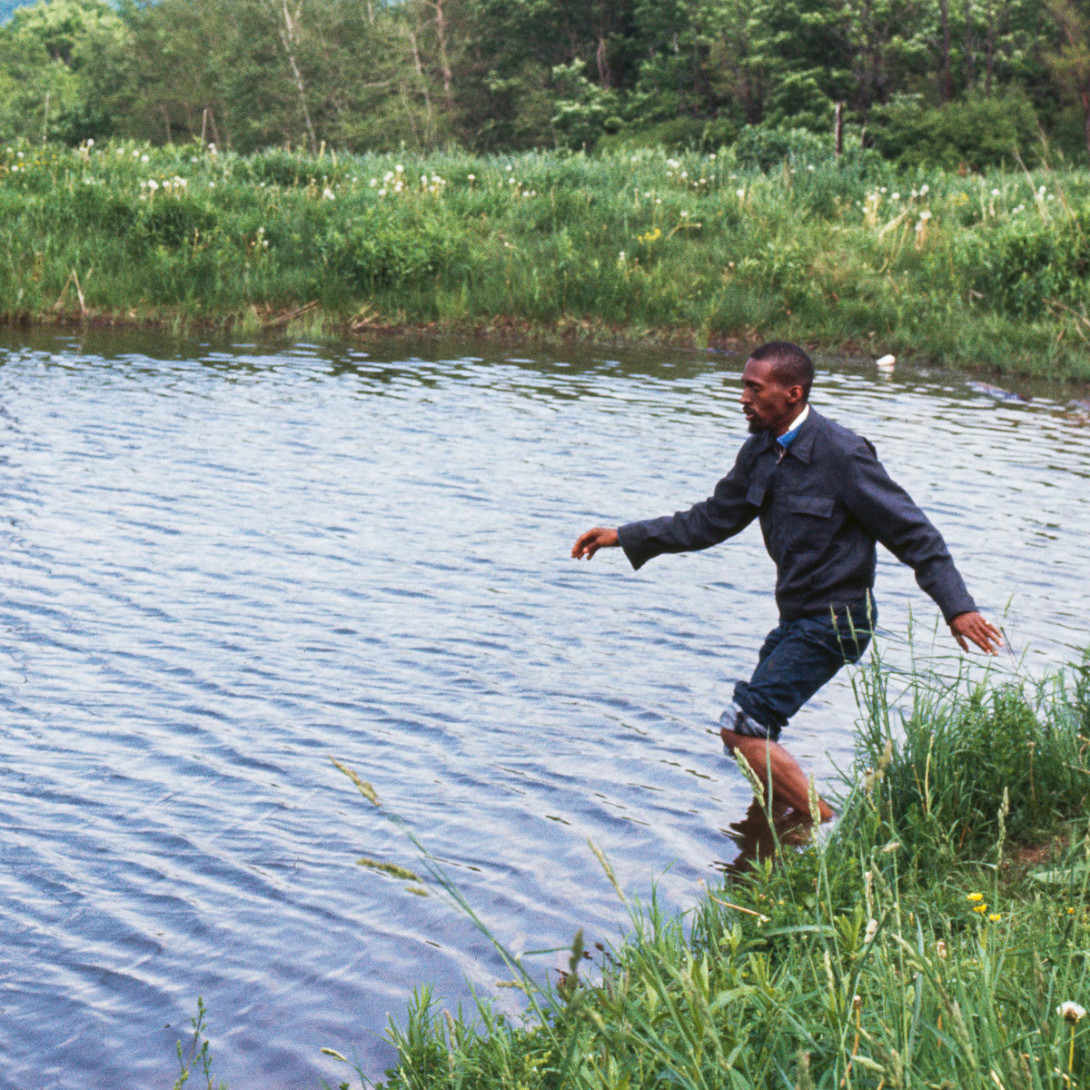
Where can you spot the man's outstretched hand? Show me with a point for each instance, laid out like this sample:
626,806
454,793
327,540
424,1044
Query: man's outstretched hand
601,537
971,626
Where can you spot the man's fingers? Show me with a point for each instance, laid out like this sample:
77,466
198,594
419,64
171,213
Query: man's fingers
974,627
589,543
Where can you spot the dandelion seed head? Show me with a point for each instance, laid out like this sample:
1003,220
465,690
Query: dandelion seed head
1071,1012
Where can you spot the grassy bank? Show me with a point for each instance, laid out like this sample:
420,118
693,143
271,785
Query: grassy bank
930,942
983,271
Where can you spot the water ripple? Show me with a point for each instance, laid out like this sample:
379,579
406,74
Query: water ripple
225,563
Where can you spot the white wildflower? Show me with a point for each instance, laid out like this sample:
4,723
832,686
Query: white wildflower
1071,1012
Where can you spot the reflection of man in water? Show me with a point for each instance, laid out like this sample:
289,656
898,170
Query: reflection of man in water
823,500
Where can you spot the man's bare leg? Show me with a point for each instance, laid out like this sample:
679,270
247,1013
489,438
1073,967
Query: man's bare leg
771,760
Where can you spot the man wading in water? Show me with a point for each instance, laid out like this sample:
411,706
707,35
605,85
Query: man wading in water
823,500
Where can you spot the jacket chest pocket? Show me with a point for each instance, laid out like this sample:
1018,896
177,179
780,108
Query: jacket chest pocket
807,523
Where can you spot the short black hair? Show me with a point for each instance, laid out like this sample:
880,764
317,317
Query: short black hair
791,365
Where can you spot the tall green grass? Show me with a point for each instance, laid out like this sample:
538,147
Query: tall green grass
984,270
923,944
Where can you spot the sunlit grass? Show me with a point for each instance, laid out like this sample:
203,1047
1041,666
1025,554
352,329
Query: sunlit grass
991,271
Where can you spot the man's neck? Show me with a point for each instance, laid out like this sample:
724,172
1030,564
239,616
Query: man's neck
799,417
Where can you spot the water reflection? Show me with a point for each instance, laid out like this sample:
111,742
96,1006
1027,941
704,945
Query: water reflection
759,835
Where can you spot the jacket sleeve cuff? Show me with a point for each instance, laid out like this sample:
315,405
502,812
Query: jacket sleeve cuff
632,540
954,604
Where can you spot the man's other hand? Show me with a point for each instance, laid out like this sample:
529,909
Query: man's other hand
971,626
588,544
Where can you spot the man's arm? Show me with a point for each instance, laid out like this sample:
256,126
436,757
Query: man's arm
887,511
721,515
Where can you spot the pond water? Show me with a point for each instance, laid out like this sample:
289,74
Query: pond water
224,563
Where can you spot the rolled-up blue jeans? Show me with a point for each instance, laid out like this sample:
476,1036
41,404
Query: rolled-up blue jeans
797,658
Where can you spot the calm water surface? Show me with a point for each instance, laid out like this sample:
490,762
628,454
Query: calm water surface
224,563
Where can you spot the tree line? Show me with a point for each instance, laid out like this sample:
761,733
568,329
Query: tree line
963,83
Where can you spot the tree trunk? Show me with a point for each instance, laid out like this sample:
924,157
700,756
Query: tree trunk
946,84
605,77
424,87
441,41
287,40
1085,96
970,47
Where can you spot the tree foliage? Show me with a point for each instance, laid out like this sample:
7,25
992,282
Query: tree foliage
987,77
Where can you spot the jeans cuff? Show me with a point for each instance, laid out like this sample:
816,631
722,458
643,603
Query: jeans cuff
734,719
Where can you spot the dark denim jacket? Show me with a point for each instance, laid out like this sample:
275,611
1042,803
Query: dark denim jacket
822,507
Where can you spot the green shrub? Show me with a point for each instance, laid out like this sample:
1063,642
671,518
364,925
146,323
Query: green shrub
970,134
961,751
381,251
1020,266
170,222
759,148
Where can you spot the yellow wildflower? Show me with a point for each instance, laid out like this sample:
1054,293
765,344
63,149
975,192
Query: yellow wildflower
981,908
974,897
995,917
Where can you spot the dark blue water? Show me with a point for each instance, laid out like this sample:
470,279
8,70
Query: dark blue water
223,564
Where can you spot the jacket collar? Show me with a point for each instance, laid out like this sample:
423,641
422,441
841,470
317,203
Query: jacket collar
803,445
